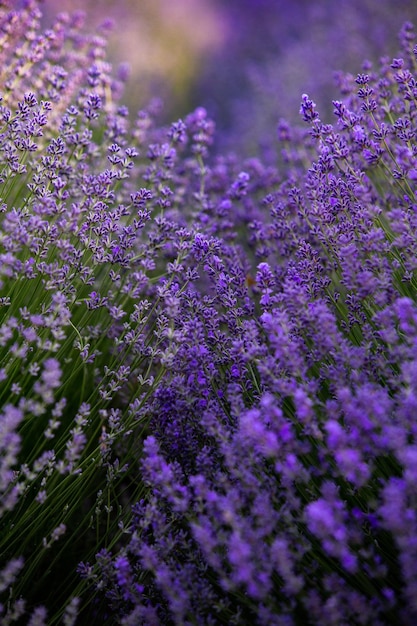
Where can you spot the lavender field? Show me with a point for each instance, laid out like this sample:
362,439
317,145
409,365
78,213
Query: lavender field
208,327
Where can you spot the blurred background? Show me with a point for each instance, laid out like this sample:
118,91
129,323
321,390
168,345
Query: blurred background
246,61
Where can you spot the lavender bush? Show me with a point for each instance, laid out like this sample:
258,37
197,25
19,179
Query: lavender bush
208,365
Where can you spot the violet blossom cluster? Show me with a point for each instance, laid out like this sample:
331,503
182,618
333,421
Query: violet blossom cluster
208,365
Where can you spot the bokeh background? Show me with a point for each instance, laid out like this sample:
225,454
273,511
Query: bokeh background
246,61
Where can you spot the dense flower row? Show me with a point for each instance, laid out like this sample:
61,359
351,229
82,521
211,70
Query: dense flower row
208,367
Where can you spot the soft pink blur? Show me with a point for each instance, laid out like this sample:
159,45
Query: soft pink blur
163,41
246,61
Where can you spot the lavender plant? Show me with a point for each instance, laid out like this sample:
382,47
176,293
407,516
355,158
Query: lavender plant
84,269
281,459
208,365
